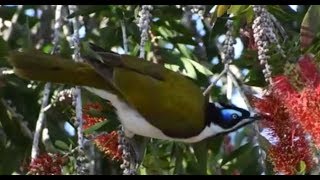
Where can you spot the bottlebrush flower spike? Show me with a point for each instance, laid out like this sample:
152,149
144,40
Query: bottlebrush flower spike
291,146
282,86
108,143
308,70
306,108
88,119
46,164
92,106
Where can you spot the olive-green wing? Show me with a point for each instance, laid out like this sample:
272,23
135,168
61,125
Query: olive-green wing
174,104
159,94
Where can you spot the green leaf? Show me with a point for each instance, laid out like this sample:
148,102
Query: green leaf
178,154
236,153
156,164
167,12
310,26
184,50
201,153
190,71
61,145
165,32
264,143
214,143
248,161
4,49
182,40
110,36
26,41
302,168
65,49
95,127
236,9
222,9
11,126
202,69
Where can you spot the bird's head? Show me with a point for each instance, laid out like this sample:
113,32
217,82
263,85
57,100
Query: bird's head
227,118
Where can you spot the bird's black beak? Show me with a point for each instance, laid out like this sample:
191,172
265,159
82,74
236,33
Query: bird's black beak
255,116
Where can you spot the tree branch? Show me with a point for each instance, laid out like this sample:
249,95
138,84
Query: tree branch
45,98
40,122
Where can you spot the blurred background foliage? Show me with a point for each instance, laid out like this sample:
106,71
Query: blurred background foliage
182,38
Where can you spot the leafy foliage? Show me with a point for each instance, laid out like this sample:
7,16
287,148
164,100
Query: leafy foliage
189,45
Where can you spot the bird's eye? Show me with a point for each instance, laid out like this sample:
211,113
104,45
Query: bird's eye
234,116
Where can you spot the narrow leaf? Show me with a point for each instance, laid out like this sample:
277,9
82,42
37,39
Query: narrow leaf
61,145
310,26
201,153
236,153
222,9
236,9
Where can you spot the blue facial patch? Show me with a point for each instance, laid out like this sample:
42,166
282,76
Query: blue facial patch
230,115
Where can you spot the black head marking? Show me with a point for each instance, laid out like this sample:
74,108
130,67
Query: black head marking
225,115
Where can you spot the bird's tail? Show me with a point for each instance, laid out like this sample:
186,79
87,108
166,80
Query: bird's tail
37,66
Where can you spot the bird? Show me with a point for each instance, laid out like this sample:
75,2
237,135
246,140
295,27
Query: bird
150,100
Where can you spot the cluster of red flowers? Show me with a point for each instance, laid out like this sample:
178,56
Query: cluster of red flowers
291,115
107,143
90,120
46,164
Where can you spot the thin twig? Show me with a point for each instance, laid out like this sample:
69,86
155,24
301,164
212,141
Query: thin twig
24,128
124,37
40,122
255,124
237,85
215,81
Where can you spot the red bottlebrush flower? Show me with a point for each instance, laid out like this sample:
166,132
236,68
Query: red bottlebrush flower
92,106
308,70
108,143
46,164
306,108
291,147
282,86
88,119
